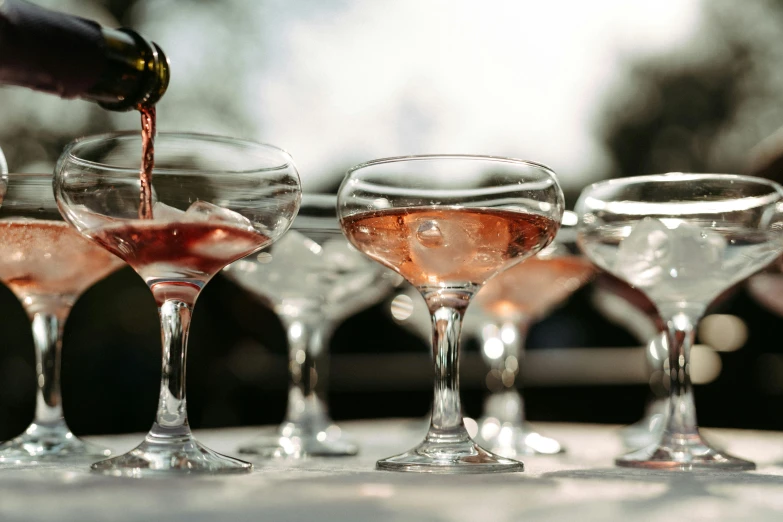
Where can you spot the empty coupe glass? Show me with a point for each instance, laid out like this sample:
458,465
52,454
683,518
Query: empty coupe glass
47,265
216,200
313,279
627,307
681,239
448,224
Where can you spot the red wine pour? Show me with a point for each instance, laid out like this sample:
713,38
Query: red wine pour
148,123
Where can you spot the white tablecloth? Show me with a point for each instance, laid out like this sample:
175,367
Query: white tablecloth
581,485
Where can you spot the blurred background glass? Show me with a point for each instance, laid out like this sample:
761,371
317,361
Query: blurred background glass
594,90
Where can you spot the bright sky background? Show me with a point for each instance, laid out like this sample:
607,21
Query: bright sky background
343,81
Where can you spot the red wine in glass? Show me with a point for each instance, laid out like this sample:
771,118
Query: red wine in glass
177,258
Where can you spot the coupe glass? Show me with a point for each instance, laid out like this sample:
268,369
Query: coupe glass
501,315
447,224
631,309
215,200
47,265
313,279
681,239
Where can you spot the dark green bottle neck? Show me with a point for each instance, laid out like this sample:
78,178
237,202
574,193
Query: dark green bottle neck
73,57
136,72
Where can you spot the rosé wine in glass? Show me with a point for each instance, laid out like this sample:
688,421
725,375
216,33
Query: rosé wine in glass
533,288
43,261
430,246
47,265
447,224
503,312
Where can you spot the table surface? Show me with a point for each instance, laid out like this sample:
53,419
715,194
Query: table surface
582,484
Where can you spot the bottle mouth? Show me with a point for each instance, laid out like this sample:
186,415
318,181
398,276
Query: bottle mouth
155,76
161,76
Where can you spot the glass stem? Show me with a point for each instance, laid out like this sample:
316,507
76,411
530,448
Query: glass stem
505,401
447,312
308,361
656,353
47,337
172,416
681,421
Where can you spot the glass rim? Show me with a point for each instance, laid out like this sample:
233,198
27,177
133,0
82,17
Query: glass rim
14,195
684,176
423,157
594,199
68,151
15,179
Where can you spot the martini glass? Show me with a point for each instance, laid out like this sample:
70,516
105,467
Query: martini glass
313,279
681,239
47,265
216,200
448,224
501,315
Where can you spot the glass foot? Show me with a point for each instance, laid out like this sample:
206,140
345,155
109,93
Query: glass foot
464,456
295,441
514,439
158,455
644,432
48,444
649,429
684,453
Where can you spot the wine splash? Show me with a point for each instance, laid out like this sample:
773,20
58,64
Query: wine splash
148,124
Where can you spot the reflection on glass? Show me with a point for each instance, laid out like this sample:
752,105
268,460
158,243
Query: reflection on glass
681,239
313,279
47,265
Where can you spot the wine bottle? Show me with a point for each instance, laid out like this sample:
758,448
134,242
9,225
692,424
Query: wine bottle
73,57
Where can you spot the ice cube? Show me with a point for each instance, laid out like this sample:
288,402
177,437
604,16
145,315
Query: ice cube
698,252
430,235
440,247
220,244
205,211
654,254
295,248
642,256
163,212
